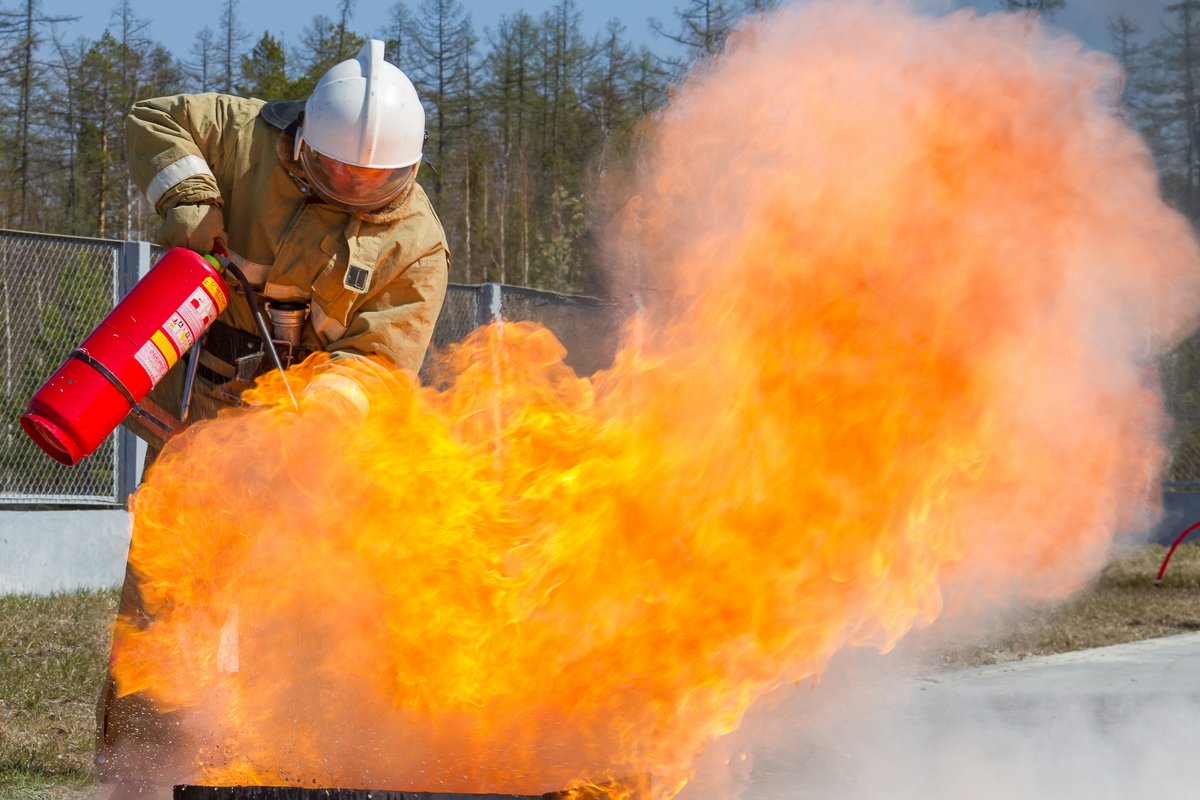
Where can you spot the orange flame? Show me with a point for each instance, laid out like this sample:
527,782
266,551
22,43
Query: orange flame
919,273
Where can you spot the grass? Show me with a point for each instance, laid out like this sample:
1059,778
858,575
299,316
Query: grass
53,651
1123,606
52,656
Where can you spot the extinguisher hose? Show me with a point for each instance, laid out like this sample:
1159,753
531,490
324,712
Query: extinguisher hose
1174,545
189,379
268,344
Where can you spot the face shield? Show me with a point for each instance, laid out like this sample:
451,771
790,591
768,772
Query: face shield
352,188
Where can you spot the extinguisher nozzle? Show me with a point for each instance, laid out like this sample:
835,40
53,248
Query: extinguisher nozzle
56,442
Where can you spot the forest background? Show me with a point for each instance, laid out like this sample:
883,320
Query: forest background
525,118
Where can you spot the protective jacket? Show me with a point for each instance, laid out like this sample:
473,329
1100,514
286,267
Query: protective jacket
375,283
376,280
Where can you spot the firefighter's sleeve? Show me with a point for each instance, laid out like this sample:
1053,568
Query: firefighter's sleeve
396,323
345,386
174,143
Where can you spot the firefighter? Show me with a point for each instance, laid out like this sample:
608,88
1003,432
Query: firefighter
316,202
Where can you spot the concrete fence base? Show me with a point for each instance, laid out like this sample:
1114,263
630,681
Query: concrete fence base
45,552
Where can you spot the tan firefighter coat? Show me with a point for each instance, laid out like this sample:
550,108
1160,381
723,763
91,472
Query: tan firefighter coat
376,280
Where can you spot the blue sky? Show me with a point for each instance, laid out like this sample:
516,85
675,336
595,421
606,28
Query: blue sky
174,24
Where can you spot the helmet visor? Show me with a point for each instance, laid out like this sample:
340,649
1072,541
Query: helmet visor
354,188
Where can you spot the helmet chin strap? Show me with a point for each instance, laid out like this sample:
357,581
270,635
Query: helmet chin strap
305,184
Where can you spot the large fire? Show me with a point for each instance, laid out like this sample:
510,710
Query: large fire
918,272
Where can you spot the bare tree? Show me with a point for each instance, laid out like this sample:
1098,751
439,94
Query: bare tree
1047,7
230,40
345,14
66,116
398,35
443,41
25,74
1130,53
134,43
1175,108
703,26
203,67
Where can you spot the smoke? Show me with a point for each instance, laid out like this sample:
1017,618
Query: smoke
906,279
993,733
961,190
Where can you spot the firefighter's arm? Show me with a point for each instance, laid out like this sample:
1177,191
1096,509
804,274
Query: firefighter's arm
345,386
392,330
396,322
172,144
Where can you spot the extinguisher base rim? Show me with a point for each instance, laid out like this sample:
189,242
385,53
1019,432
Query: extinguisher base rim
53,440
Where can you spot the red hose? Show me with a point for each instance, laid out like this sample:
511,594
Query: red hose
1171,552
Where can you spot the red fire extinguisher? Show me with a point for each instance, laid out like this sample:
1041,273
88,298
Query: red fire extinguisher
107,376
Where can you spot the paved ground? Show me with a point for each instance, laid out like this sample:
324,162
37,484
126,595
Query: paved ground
1118,722
1115,680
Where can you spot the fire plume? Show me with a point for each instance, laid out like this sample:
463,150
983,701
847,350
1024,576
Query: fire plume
912,275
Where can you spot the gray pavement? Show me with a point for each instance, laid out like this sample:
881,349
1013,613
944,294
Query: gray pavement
1113,680
1117,722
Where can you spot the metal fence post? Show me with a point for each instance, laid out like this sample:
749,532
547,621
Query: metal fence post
487,308
133,264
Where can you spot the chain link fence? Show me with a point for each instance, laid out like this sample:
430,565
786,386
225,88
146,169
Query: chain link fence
1181,384
587,327
53,291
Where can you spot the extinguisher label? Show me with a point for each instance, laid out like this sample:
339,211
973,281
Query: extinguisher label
198,312
215,292
151,359
160,340
180,332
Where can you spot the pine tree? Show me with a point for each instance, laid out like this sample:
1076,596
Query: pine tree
1173,110
101,119
264,71
325,42
113,73
519,132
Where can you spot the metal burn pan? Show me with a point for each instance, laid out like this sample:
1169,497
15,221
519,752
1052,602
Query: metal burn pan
191,792
188,792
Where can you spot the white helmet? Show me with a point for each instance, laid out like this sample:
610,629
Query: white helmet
363,129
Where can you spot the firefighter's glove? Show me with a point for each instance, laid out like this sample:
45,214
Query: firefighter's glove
199,227
337,392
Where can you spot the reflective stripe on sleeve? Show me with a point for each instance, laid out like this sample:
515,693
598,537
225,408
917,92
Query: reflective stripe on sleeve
168,176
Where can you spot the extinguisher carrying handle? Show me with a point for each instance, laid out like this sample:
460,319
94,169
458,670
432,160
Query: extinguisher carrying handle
158,426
